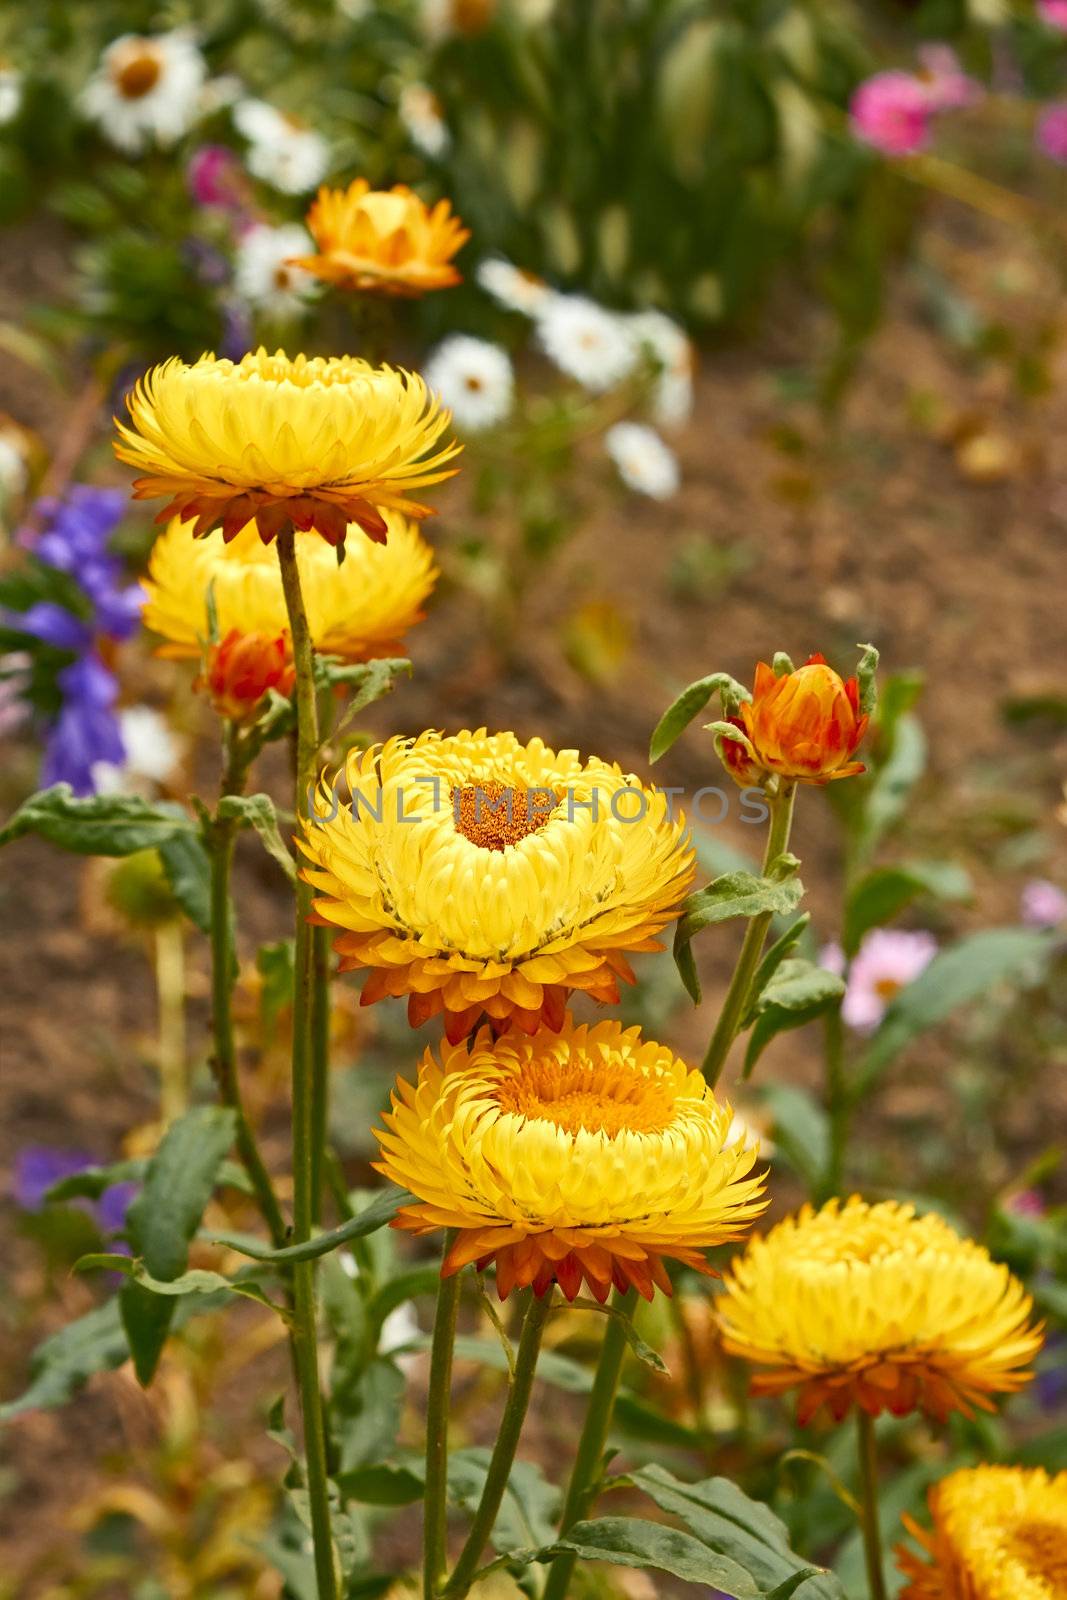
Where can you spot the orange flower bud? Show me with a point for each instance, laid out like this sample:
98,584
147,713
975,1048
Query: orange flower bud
805,726
239,671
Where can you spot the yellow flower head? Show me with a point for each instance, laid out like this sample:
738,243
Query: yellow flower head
1000,1533
387,241
321,442
585,1154
481,876
357,610
871,1304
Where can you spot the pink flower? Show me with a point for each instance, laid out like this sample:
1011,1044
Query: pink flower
1054,12
216,178
1024,1203
1044,904
946,84
891,111
1052,132
887,959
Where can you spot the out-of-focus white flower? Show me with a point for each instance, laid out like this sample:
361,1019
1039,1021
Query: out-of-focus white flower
420,112
511,287
218,94
746,1132
14,681
146,90
263,277
671,351
644,463
400,1327
1044,904
887,960
153,754
474,379
10,94
14,471
283,152
589,344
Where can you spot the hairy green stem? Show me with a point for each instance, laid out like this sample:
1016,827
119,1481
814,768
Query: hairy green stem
587,1471
435,1509
507,1441
737,995
220,837
305,1161
320,1064
170,989
872,1532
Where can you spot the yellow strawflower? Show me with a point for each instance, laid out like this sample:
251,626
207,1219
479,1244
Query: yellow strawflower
357,610
385,241
481,876
321,442
589,1154
999,1533
873,1305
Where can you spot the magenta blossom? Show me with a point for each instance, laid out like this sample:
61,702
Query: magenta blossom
1043,904
1054,12
887,960
947,86
1052,132
217,179
891,112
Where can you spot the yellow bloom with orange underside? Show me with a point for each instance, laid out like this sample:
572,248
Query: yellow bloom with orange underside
358,610
875,1306
999,1533
481,876
383,241
322,442
804,726
585,1155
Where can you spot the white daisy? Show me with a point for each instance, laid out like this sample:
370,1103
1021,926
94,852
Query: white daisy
474,379
145,90
643,461
589,344
420,112
262,275
153,755
14,471
283,151
510,286
671,352
10,94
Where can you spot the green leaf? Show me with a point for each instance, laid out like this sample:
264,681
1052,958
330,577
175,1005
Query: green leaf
377,1214
366,1414
867,675
777,953
800,1129
798,992
883,893
188,871
632,1542
735,894
199,1281
275,964
146,1319
90,1183
887,794
727,1521
257,811
964,972
638,1346
66,1360
101,825
529,1509
385,1483
689,704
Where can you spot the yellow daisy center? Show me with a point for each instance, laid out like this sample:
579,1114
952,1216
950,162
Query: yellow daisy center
138,75
494,815
594,1098
886,988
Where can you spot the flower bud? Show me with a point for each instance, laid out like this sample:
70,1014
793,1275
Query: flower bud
240,670
804,726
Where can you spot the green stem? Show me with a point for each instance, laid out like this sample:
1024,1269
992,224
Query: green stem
220,838
170,988
733,1007
588,1461
837,1102
305,1161
507,1441
320,1063
872,1533
435,1510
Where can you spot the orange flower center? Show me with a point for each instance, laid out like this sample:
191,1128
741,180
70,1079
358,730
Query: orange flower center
138,75
591,1097
473,383
886,988
493,815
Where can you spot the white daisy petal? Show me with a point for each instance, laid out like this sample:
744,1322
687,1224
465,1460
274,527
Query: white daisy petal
146,90
589,344
474,380
644,463
283,152
263,277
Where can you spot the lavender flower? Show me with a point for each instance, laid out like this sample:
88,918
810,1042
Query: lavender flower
87,729
1043,904
39,1167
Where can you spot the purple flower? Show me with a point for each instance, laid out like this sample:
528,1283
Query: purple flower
209,264
948,87
113,1204
54,625
1052,132
1043,904
217,179
86,730
38,1167
891,111
76,540
887,960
